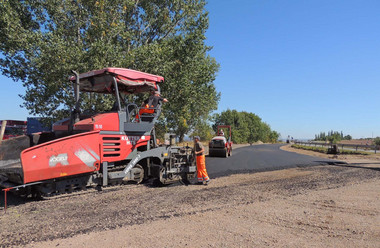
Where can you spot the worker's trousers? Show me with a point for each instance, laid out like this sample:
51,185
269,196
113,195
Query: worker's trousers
201,168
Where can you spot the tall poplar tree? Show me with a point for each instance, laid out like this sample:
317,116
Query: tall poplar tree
41,41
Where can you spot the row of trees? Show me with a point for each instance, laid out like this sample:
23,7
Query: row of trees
332,136
41,41
246,127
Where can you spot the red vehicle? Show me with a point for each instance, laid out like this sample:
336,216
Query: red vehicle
221,145
114,147
14,128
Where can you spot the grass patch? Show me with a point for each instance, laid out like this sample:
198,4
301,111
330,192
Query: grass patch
324,150
311,148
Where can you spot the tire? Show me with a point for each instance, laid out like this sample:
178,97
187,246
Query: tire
137,175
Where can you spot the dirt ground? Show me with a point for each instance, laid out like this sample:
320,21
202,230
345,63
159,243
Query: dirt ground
320,206
357,142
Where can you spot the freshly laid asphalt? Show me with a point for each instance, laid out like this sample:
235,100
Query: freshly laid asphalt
264,157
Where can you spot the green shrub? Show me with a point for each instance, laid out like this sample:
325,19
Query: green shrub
349,152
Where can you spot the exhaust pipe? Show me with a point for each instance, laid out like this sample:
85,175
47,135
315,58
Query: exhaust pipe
75,113
76,92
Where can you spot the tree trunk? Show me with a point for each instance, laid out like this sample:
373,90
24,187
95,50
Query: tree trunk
181,137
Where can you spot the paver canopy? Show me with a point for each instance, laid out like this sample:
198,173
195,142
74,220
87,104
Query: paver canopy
128,81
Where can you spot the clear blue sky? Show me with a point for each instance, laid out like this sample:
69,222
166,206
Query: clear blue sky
302,66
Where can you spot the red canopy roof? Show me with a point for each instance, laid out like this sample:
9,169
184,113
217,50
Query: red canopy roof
129,81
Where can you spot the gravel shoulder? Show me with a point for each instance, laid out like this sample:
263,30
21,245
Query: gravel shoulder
319,206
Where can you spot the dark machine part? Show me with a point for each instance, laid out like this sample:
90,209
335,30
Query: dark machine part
175,164
180,166
333,149
217,147
221,145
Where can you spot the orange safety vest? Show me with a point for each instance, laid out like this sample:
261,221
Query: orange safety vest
147,109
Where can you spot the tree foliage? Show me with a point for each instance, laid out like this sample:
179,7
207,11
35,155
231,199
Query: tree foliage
41,41
332,136
376,141
246,127
204,130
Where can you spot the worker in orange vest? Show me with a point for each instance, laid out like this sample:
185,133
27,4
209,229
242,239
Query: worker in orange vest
201,162
149,105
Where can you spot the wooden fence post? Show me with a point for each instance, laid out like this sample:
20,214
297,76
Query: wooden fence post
3,124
